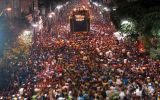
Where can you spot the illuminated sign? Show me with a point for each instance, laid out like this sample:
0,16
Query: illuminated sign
79,17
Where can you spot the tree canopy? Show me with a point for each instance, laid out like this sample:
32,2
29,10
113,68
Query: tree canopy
144,12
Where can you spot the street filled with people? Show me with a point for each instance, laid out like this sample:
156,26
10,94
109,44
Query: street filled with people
84,66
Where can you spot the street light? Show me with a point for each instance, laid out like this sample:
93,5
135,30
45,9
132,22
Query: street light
106,9
95,3
7,9
35,25
125,22
52,13
67,3
114,8
50,16
59,7
99,5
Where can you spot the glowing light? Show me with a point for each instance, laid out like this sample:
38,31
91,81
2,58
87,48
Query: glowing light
79,18
26,32
35,25
114,9
83,7
95,3
50,16
26,37
106,9
74,9
119,36
99,5
40,24
67,3
59,7
52,13
8,9
125,22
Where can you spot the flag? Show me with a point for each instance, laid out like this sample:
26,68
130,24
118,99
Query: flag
141,46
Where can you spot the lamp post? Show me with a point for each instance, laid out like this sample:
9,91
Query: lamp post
34,25
59,7
58,10
51,16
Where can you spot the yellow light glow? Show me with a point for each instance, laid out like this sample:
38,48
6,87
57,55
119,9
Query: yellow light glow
26,37
8,9
79,17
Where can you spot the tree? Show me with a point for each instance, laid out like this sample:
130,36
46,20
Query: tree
10,53
128,26
144,12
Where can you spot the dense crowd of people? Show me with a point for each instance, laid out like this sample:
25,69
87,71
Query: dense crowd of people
93,66
85,67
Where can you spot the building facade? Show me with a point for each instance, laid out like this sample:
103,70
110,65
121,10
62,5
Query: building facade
19,7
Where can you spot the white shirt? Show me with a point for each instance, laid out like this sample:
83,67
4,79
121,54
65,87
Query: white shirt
118,82
21,91
138,92
125,61
122,95
61,98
